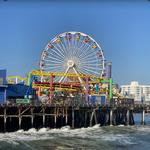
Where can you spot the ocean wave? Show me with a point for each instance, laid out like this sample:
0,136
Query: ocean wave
120,134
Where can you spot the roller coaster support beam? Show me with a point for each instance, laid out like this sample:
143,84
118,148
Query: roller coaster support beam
51,88
86,89
30,77
110,89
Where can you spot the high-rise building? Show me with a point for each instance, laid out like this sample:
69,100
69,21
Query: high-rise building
140,93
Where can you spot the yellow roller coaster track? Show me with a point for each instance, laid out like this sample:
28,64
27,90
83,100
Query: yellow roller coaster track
42,73
12,78
56,88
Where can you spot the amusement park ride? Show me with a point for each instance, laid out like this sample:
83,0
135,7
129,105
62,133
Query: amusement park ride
72,64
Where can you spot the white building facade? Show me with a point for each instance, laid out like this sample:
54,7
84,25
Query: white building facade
140,93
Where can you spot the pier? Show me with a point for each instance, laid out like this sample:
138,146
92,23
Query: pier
13,118
81,94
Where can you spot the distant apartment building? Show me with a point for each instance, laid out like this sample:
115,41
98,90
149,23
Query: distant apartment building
140,93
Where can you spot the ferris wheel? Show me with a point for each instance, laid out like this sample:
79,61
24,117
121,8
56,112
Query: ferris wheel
73,52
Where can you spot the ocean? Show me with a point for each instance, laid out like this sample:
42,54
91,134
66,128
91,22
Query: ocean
92,138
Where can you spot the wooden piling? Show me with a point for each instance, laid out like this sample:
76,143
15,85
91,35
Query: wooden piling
111,116
66,116
127,115
55,116
95,118
91,118
5,119
143,117
43,110
73,117
20,118
32,117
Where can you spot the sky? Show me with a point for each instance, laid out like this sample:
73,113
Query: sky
122,29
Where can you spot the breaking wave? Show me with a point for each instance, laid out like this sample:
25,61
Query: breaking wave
94,137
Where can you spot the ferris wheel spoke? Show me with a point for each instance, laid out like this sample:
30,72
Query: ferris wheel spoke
55,58
54,55
89,51
63,47
51,58
89,57
84,51
53,62
88,54
91,61
83,71
91,72
69,47
55,50
76,49
55,65
95,66
91,68
80,50
58,52
73,46
66,48
79,44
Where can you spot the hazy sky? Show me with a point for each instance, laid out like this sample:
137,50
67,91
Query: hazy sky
121,28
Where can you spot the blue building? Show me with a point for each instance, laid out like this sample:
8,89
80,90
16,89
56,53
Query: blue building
18,91
3,86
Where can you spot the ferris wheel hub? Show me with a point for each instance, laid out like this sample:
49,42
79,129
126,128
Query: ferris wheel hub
70,63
